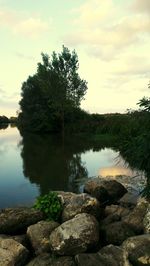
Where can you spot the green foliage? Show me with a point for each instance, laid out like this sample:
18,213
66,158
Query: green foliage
50,205
54,91
144,103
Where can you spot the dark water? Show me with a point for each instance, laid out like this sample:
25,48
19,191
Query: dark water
32,165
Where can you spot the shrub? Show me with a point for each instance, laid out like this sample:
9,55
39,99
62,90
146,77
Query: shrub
50,205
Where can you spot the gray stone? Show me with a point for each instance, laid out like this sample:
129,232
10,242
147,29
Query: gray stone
89,259
17,220
82,203
135,218
47,260
129,200
137,249
116,209
44,259
12,253
75,236
39,235
107,256
63,261
146,221
105,190
65,197
22,239
114,213
115,233
113,255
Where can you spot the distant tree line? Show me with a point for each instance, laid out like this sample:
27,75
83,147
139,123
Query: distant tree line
5,120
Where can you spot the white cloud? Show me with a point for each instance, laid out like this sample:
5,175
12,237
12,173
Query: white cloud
8,17
31,27
92,13
106,29
141,6
20,23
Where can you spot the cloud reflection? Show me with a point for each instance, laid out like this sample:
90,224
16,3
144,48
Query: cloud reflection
115,170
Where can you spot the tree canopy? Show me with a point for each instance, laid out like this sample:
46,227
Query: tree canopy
52,92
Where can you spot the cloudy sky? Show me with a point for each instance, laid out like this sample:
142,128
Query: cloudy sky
111,38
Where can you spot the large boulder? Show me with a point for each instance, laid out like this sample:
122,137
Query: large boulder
17,220
105,190
137,249
81,203
12,253
114,255
75,236
135,218
39,235
115,233
46,259
109,255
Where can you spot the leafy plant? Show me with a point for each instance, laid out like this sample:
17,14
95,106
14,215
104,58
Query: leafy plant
50,205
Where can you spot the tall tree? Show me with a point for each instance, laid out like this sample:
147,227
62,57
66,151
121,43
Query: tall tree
53,91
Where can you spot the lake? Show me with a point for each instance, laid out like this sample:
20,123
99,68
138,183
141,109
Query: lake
31,165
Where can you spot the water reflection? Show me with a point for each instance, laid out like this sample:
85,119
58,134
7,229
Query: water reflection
33,164
115,170
3,126
51,164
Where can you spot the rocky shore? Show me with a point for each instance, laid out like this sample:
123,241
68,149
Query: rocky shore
104,226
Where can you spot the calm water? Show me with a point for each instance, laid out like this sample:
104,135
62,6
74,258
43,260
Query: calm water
32,165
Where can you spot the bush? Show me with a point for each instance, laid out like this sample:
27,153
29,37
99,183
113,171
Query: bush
50,205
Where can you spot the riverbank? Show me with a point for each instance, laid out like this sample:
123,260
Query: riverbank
105,225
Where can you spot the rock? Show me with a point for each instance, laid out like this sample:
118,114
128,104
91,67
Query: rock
135,218
113,255
41,260
16,220
12,253
105,190
115,233
22,239
146,221
65,196
129,200
63,261
109,255
75,236
39,235
138,249
110,219
47,260
116,209
89,259
82,203
114,213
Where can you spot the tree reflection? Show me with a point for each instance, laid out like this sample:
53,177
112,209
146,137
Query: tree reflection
51,164
3,126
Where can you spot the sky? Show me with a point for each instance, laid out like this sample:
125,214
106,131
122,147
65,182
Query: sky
111,38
